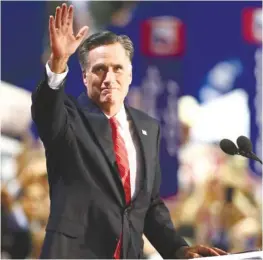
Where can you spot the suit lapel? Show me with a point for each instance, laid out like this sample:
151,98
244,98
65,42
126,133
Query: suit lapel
101,130
143,136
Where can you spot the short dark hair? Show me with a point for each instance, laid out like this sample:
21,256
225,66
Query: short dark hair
103,38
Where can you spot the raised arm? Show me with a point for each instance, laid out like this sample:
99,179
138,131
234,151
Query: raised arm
49,110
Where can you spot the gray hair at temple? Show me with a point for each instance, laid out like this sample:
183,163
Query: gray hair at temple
100,39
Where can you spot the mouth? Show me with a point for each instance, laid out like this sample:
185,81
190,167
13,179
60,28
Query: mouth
109,89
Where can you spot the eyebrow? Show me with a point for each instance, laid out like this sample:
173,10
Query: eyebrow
101,65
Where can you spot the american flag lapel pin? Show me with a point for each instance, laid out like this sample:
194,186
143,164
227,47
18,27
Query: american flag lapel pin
144,132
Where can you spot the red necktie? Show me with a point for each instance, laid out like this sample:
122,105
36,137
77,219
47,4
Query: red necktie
124,169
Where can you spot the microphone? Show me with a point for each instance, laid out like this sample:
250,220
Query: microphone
244,144
244,148
228,147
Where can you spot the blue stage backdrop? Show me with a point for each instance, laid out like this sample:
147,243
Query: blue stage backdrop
177,45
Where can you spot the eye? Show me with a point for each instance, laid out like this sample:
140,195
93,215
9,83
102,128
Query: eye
99,69
118,68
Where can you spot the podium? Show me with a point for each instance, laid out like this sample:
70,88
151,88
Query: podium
255,255
252,255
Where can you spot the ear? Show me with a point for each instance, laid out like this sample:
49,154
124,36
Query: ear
84,78
130,75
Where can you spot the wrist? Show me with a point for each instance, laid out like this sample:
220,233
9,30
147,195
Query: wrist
58,65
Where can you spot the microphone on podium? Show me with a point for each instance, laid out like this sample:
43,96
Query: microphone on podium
244,148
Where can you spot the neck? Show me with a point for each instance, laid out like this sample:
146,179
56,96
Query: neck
111,110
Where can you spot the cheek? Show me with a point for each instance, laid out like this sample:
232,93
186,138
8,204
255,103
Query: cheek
124,82
93,83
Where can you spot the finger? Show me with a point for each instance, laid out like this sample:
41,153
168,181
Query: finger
52,28
64,15
58,17
206,251
220,251
81,34
70,18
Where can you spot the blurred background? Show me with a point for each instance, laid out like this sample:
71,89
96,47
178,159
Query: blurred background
197,69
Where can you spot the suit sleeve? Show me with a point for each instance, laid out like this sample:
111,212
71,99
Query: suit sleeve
158,227
49,111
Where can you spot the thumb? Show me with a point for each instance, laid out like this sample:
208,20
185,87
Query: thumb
82,32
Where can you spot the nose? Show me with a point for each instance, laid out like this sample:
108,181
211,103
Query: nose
109,78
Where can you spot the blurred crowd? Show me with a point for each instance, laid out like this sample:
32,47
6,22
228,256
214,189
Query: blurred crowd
218,203
25,204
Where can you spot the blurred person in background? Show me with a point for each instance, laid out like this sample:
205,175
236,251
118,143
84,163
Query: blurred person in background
95,213
35,203
25,203
16,242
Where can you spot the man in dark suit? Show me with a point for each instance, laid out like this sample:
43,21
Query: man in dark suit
102,156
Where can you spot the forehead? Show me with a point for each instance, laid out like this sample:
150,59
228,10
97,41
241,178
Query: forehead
113,53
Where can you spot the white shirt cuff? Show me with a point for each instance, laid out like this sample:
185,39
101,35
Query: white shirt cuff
55,80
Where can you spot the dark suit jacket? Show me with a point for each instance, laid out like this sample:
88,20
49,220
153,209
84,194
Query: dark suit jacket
88,211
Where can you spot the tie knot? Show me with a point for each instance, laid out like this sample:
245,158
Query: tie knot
114,122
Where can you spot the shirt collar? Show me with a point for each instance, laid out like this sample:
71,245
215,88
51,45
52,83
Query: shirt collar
121,117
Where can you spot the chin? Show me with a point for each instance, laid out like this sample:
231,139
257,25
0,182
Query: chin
110,100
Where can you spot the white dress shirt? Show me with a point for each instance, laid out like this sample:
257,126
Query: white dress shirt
126,130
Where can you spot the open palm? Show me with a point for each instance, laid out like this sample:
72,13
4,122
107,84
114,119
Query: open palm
63,42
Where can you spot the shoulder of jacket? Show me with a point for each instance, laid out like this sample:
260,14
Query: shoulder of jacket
144,116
